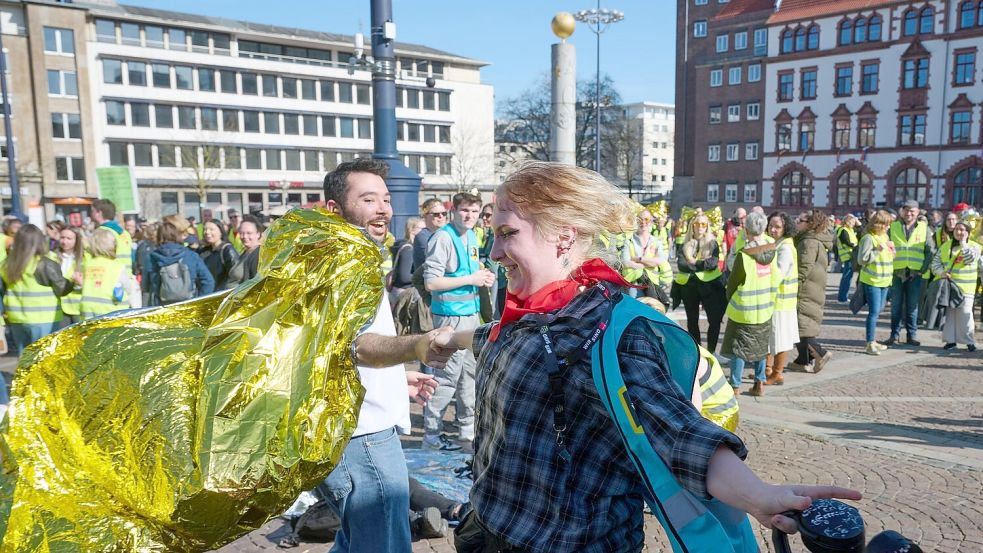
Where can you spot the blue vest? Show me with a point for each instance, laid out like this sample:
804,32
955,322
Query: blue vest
463,300
693,524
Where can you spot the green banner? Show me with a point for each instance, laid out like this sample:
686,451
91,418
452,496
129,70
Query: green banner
118,185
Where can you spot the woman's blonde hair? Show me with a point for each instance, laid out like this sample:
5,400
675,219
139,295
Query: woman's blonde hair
703,247
880,217
102,243
173,228
554,195
850,217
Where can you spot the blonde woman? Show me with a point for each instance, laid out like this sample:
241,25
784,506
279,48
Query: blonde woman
642,256
701,281
107,283
876,258
846,240
71,255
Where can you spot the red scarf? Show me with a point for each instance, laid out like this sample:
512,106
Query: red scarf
557,293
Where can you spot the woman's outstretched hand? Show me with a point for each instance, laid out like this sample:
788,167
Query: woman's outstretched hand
768,507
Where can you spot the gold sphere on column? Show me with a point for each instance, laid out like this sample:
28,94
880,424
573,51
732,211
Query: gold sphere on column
563,25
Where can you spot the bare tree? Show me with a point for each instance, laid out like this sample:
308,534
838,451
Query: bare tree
621,150
203,165
472,161
525,119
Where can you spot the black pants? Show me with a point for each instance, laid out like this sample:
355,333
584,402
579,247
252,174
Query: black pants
804,346
711,295
422,497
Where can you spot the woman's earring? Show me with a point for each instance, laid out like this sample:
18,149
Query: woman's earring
565,262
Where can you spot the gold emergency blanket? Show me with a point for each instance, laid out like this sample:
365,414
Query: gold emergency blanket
183,427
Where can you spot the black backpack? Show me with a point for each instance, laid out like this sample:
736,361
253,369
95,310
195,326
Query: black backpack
318,523
176,284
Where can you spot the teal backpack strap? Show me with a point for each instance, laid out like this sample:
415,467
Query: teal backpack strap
693,524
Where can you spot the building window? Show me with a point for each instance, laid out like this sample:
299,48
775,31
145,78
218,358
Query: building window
740,40
866,132
66,125
186,117
164,116
250,85
143,155
910,184
289,87
760,42
716,77
206,79
800,39
112,71
959,127
734,76
70,168
733,113
965,68
967,14
329,128
968,186
347,125
209,119
139,114
115,113
230,120
130,33
869,82
250,121
701,2
730,193
713,152
808,83
785,86
860,30
783,136
309,124
271,123
345,94
874,28
700,28
118,154
915,73
812,42
751,151
59,41
444,102
291,124
846,32
715,114
721,43
926,22
919,22
136,73
62,83
106,30
754,73
753,111
228,81
166,156
713,193
177,39
844,80
853,189
733,151
183,77
807,136
912,129
751,192
161,75
795,190
841,134
308,89
269,86
788,41
153,36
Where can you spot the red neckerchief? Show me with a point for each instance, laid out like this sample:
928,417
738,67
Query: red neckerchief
558,293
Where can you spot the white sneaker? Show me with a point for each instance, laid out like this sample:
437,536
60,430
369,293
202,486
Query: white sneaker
872,349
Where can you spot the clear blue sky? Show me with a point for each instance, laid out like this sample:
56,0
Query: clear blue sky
512,35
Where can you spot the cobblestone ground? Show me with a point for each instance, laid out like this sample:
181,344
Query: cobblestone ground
904,428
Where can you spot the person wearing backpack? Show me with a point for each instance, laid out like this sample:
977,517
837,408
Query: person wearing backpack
107,283
219,255
174,272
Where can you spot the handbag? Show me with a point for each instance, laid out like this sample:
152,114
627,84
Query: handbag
858,300
949,294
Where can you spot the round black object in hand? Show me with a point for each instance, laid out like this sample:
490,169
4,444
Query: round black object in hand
890,541
830,526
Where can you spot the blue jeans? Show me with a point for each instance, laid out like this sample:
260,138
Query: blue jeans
24,335
845,280
737,371
905,295
369,489
876,296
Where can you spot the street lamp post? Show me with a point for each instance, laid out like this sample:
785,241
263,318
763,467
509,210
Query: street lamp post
598,20
403,183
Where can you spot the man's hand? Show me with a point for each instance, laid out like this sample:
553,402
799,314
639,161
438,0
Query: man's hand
483,278
420,386
768,507
434,348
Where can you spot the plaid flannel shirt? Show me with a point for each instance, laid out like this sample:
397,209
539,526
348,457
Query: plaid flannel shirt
523,492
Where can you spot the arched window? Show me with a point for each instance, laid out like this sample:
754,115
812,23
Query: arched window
795,190
927,24
860,30
800,39
787,41
853,189
967,186
911,22
846,32
813,40
910,183
967,14
874,28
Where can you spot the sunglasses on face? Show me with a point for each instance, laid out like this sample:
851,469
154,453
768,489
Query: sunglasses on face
700,225
486,215
438,213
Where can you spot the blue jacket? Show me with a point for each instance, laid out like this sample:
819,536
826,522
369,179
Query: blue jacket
169,253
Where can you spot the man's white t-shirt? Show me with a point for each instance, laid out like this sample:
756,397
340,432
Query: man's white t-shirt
386,402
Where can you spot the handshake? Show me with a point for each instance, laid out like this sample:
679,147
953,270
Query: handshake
437,346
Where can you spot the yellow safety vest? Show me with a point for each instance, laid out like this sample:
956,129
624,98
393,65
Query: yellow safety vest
706,276
909,252
72,303
632,275
719,403
962,274
662,235
879,271
27,302
788,290
124,248
99,278
754,300
844,252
